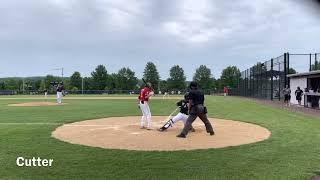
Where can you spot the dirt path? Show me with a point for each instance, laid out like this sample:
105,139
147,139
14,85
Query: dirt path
31,104
125,133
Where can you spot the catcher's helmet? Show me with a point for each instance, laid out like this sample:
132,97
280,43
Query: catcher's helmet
186,96
193,85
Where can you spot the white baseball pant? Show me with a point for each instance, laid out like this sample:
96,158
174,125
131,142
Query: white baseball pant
146,114
179,117
59,97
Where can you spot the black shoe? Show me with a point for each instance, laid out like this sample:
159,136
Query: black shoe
162,129
181,136
212,133
192,130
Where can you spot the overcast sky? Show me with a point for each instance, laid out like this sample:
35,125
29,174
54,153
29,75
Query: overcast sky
37,36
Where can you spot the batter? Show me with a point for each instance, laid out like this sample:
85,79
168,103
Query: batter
144,97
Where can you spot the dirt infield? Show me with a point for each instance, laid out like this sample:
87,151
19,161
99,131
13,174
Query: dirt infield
30,104
125,133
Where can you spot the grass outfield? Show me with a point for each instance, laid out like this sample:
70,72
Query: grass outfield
292,152
80,95
69,95
87,96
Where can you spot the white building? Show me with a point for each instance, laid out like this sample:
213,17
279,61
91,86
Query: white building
310,80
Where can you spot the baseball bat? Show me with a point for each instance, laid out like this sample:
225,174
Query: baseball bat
144,81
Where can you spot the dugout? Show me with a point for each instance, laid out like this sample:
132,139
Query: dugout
7,92
309,82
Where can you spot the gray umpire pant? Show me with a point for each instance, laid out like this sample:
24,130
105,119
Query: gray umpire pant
197,111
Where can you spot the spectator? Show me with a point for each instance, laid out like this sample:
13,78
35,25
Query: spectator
287,95
299,94
225,91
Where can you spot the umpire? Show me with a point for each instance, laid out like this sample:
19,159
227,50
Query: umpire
196,109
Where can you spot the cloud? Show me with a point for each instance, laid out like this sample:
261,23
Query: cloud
75,33
193,22
123,14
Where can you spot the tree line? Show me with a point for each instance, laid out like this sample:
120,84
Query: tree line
125,79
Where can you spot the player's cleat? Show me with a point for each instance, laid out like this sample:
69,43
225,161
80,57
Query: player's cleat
149,129
212,133
142,127
162,129
192,130
181,136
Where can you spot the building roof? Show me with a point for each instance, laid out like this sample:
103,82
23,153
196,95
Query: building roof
304,74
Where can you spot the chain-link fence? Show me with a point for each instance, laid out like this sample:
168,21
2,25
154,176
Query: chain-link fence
267,80
316,64
264,80
304,62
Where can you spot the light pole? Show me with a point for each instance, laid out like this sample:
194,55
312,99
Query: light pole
59,69
23,85
82,85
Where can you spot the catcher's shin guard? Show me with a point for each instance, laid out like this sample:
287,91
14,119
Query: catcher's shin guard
167,125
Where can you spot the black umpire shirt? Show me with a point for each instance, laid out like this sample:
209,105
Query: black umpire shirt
197,97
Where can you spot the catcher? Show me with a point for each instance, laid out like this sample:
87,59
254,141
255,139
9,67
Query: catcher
181,116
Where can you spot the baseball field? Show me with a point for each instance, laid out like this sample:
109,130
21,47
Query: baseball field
290,151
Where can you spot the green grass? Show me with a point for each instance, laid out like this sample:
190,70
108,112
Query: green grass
69,95
77,95
292,152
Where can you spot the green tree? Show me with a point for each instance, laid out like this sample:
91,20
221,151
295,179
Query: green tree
112,82
151,75
230,77
43,85
2,85
19,84
12,84
37,84
88,83
100,77
177,80
66,83
292,71
125,79
163,86
76,80
218,84
204,77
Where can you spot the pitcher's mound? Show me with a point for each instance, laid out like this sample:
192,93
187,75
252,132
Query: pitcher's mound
36,104
125,133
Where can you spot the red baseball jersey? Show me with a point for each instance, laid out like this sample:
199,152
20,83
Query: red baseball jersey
225,90
144,94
